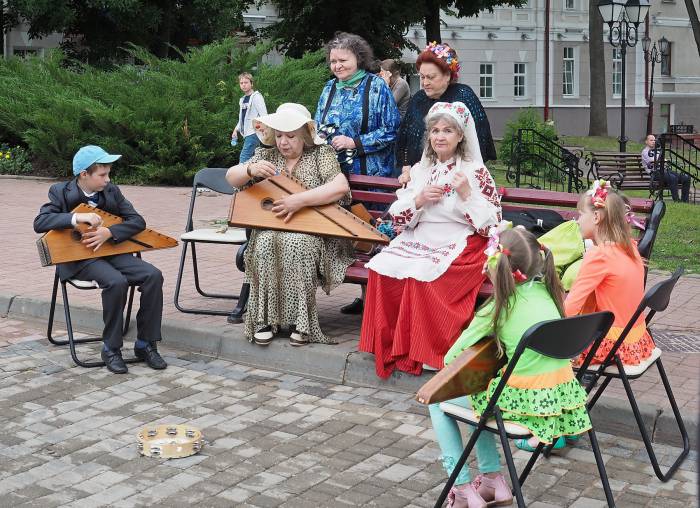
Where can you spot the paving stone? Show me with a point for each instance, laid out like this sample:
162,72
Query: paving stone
273,440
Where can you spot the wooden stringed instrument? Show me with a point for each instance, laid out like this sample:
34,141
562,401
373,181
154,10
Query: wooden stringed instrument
467,374
252,208
63,245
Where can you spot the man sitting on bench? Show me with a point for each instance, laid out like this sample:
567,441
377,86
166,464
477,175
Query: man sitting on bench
114,274
650,155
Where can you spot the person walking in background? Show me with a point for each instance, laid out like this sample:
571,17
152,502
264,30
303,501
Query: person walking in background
391,73
356,112
671,179
251,106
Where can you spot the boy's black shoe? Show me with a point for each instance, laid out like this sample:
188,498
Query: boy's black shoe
151,356
114,361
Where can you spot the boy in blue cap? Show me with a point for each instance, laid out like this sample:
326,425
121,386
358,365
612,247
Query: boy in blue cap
91,185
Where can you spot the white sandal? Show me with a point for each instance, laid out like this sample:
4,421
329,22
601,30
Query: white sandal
264,336
298,339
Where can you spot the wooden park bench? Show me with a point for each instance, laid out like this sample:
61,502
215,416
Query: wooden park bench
363,189
624,170
377,193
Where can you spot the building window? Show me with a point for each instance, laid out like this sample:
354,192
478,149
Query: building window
666,61
569,5
569,75
486,81
665,114
519,74
25,52
617,72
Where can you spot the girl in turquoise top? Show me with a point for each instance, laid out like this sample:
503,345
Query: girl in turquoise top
542,394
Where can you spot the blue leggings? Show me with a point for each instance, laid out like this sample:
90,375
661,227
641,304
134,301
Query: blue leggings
450,441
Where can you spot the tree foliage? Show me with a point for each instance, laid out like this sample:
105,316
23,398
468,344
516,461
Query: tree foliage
96,30
306,24
168,117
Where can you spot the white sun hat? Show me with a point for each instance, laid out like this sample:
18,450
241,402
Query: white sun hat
288,118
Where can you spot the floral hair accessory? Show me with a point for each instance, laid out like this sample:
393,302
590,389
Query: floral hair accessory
631,219
493,247
446,53
519,276
599,193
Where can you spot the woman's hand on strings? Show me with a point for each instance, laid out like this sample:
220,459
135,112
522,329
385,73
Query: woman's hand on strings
285,208
262,169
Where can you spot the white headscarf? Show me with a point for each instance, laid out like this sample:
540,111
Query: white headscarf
459,112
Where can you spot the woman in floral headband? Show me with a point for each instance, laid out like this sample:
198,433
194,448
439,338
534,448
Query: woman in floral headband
438,68
422,287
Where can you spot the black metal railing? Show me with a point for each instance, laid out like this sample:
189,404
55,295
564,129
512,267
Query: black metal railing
681,156
540,162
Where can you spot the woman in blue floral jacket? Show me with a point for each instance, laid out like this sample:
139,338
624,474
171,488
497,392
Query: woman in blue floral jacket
357,111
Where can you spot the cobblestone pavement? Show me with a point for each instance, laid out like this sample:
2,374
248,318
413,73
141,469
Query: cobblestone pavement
273,440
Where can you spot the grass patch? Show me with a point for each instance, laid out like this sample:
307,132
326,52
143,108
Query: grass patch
677,242
599,143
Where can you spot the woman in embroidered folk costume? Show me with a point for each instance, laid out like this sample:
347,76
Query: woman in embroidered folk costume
356,111
284,269
438,68
422,287
611,276
542,393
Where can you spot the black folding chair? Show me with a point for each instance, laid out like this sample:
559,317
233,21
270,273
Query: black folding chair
546,339
213,179
656,300
651,229
72,341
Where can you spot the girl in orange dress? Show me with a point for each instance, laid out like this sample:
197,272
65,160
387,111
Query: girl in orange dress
611,275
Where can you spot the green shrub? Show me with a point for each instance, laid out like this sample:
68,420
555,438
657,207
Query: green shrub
168,118
527,118
14,161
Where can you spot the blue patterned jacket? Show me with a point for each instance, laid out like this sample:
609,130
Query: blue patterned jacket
375,147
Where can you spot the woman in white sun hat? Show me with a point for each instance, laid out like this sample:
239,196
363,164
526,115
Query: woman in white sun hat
284,269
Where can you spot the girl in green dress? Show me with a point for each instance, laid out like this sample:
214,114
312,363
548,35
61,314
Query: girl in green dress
542,393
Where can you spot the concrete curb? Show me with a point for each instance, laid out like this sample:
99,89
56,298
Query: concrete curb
339,363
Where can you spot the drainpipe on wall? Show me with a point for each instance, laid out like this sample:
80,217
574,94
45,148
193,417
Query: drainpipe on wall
546,60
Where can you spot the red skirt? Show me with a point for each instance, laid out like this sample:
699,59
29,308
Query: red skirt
408,323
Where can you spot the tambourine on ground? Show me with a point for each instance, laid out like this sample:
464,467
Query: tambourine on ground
169,441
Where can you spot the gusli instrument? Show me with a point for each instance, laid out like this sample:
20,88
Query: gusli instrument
64,245
252,208
469,373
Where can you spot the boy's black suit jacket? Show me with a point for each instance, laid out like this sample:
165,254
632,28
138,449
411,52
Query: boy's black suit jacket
65,196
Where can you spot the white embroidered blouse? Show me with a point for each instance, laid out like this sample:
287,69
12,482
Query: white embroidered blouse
436,234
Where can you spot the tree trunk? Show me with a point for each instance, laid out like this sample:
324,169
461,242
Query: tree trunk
432,21
694,22
598,119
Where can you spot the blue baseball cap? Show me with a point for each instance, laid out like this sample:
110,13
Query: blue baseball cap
89,155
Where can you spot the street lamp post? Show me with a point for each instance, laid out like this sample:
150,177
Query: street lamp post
623,18
653,55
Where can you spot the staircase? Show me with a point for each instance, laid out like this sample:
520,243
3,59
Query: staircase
680,154
540,162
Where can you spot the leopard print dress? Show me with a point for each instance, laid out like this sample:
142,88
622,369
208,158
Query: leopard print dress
284,269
